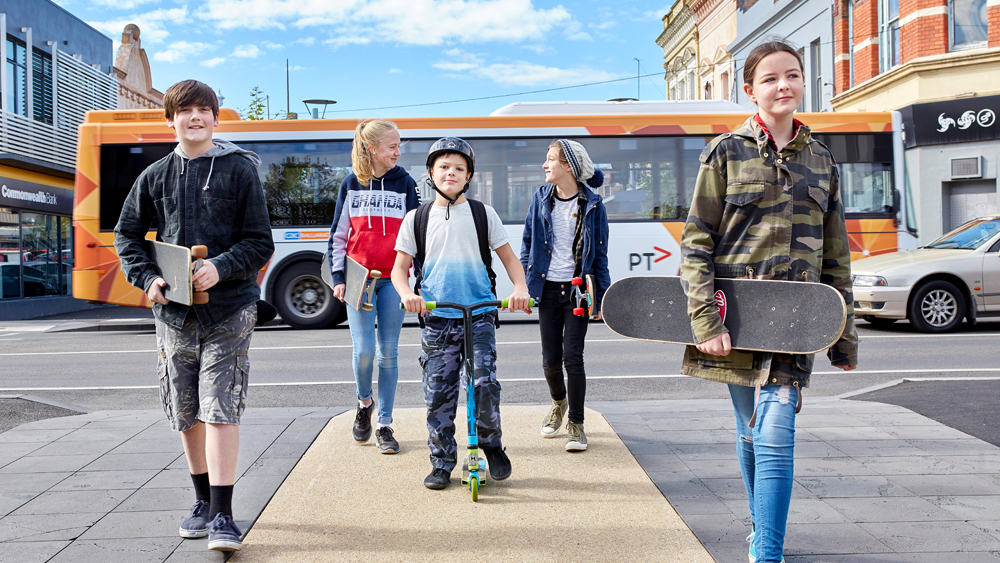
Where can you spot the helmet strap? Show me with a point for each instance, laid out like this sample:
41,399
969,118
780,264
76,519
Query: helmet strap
451,200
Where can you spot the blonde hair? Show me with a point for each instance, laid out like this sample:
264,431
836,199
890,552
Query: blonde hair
367,134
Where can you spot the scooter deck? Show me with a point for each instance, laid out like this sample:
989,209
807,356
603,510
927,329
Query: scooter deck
761,315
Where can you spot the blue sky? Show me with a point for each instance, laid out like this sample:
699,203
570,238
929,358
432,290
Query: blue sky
377,53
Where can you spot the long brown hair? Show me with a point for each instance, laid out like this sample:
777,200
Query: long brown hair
367,134
764,49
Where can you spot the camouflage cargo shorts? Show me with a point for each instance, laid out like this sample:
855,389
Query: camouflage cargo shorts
203,372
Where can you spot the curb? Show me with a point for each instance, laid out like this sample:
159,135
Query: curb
50,402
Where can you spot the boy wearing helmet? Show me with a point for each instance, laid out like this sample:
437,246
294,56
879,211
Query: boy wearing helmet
453,270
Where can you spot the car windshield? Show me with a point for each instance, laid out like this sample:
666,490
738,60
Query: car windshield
969,235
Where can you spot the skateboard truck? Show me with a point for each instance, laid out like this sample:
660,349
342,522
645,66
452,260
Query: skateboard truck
581,295
375,275
199,252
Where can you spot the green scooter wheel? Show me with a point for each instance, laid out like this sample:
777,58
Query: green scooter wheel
474,487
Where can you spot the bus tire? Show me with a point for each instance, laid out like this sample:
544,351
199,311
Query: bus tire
303,300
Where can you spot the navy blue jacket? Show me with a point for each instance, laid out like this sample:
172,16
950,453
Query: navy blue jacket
536,246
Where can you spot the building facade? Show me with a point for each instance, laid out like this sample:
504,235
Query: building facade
716,23
805,24
135,82
679,41
56,68
938,63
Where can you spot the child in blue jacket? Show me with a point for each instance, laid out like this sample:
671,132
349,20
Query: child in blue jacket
565,236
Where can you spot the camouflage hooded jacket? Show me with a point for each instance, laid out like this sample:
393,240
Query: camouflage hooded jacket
757,214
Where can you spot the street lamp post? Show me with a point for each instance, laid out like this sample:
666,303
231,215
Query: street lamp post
314,112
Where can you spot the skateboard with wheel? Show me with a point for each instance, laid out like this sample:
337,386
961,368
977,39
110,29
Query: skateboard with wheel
761,315
360,283
584,295
175,267
474,466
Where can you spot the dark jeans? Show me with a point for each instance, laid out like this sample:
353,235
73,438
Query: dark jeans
563,334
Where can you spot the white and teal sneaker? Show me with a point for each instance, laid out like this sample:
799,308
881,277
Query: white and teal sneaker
753,550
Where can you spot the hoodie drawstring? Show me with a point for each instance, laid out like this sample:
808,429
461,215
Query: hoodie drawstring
371,199
210,167
382,180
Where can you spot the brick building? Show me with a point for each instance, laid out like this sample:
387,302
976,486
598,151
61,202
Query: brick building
938,63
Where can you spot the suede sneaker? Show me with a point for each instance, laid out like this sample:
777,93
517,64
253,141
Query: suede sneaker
363,422
386,443
196,524
753,550
497,461
223,534
554,420
438,479
577,438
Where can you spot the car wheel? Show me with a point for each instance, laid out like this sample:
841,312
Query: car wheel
303,300
878,321
937,306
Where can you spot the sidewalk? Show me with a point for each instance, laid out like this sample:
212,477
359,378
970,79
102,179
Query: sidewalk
874,483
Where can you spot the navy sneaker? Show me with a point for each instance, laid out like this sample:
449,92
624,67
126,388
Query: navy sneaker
196,524
387,444
223,534
497,461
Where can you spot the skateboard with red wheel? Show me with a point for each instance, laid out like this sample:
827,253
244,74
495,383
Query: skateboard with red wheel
174,263
761,315
584,295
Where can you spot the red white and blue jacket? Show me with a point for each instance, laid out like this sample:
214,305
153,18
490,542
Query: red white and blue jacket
367,220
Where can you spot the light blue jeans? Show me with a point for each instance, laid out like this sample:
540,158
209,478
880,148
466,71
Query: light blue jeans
765,453
369,343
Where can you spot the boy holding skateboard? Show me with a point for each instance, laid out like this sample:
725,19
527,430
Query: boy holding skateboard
453,270
766,206
206,192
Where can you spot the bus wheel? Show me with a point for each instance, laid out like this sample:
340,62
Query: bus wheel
303,300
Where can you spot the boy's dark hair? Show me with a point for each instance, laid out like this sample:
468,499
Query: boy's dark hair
764,49
189,93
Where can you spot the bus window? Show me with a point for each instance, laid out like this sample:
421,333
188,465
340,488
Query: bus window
866,187
120,167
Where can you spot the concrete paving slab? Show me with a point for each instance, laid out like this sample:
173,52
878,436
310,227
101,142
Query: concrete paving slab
30,552
30,482
932,537
939,485
976,557
125,525
46,527
148,500
955,447
831,539
145,550
908,465
58,463
854,486
829,466
554,507
55,502
9,502
100,480
129,462
98,447
969,508
889,509
984,463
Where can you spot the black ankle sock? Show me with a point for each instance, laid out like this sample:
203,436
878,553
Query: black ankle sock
222,501
202,490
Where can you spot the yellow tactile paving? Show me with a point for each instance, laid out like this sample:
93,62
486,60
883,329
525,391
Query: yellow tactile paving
346,502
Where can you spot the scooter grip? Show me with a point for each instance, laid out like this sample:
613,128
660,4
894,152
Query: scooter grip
503,303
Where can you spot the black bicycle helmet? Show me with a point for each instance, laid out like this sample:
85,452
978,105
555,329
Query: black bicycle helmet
456,145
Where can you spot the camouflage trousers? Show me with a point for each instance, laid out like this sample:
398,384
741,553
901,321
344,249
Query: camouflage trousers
203,372
443,361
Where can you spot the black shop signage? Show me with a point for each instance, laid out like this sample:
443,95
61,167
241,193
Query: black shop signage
35,197
952,121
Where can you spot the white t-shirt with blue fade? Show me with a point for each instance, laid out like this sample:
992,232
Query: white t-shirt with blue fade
454,269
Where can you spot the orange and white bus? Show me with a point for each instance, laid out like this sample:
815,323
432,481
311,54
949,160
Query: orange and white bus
647,150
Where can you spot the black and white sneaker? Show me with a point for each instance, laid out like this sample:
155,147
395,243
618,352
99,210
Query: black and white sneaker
497,461
386,443
363,422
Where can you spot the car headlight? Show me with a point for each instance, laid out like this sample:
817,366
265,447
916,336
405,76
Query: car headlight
869,281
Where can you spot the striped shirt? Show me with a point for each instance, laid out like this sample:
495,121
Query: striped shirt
564,214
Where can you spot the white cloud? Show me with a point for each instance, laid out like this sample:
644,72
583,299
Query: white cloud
412,22
121,4
247,51
305,41
575,32
212,63
179,51
272,45
519,73
152,25
394,71
658,14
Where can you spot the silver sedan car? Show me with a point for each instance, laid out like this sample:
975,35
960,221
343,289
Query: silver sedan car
936,286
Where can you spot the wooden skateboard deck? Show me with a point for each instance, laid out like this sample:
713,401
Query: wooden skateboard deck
174,263
356,279
761,315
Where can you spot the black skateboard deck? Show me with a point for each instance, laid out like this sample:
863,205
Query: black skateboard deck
761,315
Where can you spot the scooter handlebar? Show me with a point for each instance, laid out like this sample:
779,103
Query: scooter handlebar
431,305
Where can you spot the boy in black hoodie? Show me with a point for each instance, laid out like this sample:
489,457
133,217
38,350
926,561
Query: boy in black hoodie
206,192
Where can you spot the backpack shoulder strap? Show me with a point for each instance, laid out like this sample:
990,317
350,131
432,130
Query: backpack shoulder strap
420,219
483,234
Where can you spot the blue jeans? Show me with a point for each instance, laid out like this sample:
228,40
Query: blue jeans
385,305
765,453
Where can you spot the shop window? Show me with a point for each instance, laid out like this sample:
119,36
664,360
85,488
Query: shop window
967,26
10,254
40,270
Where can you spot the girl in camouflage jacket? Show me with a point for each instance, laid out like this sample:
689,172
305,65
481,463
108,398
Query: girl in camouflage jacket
766,206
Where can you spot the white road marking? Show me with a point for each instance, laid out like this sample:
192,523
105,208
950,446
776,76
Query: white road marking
529,379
